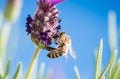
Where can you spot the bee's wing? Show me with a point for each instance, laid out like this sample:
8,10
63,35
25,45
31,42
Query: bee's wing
66,56
72,52
66,53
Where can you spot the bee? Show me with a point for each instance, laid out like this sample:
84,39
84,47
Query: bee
64,46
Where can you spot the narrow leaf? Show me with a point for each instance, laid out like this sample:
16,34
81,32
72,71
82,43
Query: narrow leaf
111,68
111,61
0,76
99,59
7,70
77,72
21,74
116,73
17,71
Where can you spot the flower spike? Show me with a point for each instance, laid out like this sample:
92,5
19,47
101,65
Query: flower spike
44,25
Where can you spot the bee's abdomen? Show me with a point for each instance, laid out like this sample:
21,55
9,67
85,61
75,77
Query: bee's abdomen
55,54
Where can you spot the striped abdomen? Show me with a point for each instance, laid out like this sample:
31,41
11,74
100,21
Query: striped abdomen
56,53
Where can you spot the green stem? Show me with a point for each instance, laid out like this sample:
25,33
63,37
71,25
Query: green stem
36,54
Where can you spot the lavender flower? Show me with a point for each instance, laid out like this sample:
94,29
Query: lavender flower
44,25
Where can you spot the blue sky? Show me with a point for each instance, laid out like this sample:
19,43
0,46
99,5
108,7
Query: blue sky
86,21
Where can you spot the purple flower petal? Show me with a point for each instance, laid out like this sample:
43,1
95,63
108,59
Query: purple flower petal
29,19
29,28
54,2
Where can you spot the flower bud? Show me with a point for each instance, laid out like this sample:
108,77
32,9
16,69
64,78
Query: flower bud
12,10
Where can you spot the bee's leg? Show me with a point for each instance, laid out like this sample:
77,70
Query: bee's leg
55,38
56,42
49,48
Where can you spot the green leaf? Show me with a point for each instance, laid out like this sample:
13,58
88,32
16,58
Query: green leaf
7,70
17,71
0,76
77,72
118,74
111,62
21,74
111,68
116,71
113,72
99,60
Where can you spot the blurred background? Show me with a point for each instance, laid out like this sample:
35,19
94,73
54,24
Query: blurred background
85,21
